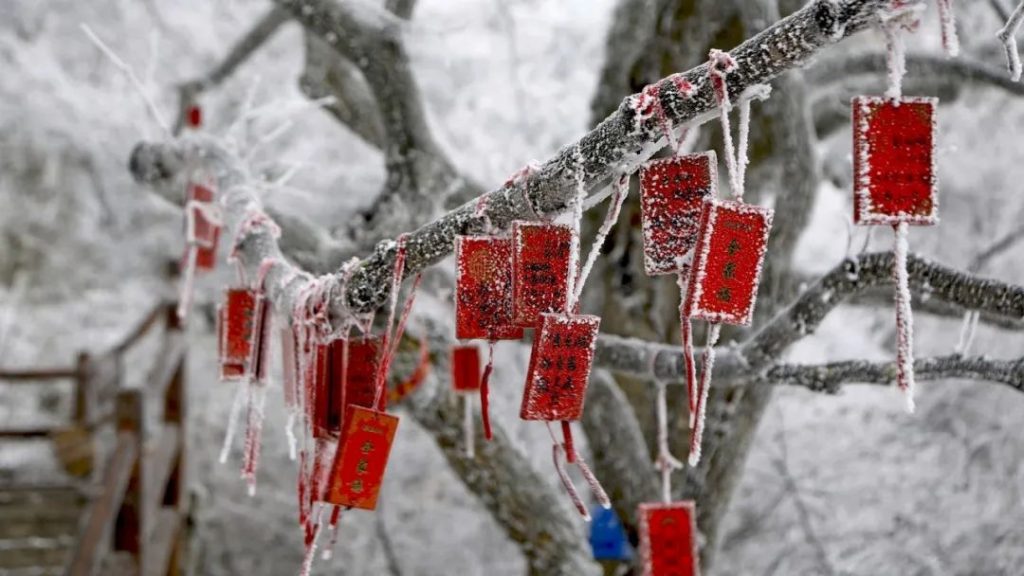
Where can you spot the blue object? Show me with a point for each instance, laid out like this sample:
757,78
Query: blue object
608,537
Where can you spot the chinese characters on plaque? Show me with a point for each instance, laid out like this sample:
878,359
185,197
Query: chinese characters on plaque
668,543
672,193
358,469
563,351
727,263
540,276
483,301
894,161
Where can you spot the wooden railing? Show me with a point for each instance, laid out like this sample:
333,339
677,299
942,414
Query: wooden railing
138,514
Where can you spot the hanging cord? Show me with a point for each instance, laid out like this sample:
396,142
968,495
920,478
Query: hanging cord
967,332
950,40
561,451
707,365
485,391
258,358
621,191
212,215
577,218
391,339
665,462
899,20
467,426
333,525
1007,35
686,336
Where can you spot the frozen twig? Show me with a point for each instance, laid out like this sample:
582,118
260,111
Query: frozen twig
1007,35
132,77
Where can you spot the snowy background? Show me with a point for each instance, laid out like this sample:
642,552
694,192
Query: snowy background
834,485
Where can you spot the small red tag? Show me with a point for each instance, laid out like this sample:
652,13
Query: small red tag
318,400
894,161
483,301
207,234
289,367
362,458
672,192
195,116
466,368
237,317
563,351
727,263
540,269
668,543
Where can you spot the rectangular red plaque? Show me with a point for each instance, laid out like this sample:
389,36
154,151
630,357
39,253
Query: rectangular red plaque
466,368
289,366
207,235
349,379
668,539
894,161
317,389
563,351
237,320
727,263
362,458
259,353
672,192
540,269
483,300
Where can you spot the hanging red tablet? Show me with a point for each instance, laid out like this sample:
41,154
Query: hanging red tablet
466,368
236,318
483,279
560,362
668,543
894,161
540,269
358,469
672,192
727,263
207,234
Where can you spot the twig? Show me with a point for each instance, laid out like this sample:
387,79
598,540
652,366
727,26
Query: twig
1007,35
136,83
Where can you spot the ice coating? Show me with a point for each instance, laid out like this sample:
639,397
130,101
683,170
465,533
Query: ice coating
483,294
541,267
560,362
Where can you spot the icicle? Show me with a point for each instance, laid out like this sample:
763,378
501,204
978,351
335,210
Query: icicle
904,320
253,432
705,385
307,561
577,217
289,430
610,218
467,426
335,517
485,391
1007,34
236,410
950,40
188,280
686,329
967,332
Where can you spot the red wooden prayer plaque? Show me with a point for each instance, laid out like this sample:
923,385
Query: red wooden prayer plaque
466,368
727,262
237,317
259,353
195,116
483,301
563,351
672,192
540,269
894,161
346,382
362,457
317,389
207,235
668,539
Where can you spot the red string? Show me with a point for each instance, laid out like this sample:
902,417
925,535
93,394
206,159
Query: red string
556,455
391,341
485,392
570,450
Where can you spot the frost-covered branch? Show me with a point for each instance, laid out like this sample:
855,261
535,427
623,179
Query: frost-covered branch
1007,35
829,378
924,66
763,349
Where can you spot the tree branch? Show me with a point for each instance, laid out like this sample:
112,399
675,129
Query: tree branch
264,28
1007,35
663,362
